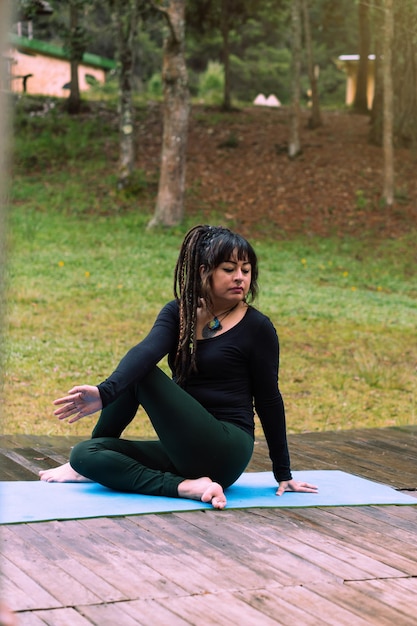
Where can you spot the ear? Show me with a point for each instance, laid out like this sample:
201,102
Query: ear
201,270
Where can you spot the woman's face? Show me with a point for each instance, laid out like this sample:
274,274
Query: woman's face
230,282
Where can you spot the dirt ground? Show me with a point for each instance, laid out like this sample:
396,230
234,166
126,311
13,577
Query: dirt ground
237,165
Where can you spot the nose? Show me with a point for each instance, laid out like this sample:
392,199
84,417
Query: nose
238,276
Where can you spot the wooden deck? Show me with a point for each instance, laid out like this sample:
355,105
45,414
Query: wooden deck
348,566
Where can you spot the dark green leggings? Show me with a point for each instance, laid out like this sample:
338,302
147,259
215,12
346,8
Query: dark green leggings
192,443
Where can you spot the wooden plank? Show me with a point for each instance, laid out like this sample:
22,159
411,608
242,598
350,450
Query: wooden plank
11,469
159,556
15,441
390,594
401,520
234,567
218,610
25,460
349,457
26,592
360,605
150,612
44,541
66,616
400,554
259,551
330,554
133,613
324,608
42,567
408,584
122,570
17,595
58,443
29,618
361,451
279,607
271,560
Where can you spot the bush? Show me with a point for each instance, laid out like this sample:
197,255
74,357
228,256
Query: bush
154,87
46,137
211,83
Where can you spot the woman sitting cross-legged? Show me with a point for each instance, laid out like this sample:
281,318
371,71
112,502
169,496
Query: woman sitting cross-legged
223,354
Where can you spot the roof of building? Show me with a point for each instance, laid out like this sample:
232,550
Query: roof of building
354,57
52,50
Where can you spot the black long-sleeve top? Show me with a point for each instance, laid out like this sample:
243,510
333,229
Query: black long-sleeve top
237,371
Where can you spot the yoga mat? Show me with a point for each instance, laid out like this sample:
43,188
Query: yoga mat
35,501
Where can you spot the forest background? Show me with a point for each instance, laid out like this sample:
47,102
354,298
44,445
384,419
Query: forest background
86,277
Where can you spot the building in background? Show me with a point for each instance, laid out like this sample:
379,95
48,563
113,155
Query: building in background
41,68
349,64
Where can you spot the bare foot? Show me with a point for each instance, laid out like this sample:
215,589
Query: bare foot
203,489
63,474
7,617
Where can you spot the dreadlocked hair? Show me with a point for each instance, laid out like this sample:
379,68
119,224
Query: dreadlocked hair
203,249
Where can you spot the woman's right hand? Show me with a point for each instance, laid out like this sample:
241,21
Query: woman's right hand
80,402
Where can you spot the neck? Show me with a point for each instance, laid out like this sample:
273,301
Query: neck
222,311
214,324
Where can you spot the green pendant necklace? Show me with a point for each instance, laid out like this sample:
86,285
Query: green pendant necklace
214,325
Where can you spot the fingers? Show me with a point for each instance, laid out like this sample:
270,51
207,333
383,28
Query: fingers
305,488
63,400
299,487
73,394
310,488
71,405
283,486
66,411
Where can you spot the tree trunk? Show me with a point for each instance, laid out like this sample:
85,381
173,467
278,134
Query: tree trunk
388,143
404,71
74,99
227,104
169,208
315,119
5,134
125,17
375,130
294,147
360,104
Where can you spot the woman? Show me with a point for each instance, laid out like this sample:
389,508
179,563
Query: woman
223,354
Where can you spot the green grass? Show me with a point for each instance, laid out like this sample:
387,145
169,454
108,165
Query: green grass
85,280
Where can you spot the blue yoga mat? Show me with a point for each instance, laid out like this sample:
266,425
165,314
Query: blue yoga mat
35,501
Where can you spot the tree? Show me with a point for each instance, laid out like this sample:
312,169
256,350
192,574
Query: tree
5,126
224,16
225,27
315,119
75,45
294,146
404,65
360,104
169,208
403,73
29,9
375,129
125,18
388,191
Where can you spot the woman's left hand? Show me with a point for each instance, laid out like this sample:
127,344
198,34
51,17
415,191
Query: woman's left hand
295,485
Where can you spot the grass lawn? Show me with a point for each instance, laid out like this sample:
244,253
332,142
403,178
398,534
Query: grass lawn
85,280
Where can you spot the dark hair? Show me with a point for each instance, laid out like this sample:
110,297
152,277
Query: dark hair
206,246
